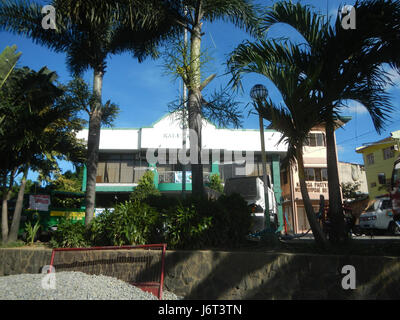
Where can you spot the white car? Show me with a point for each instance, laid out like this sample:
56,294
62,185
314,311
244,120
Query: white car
379,216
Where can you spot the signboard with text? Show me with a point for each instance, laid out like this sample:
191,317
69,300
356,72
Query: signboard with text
39,202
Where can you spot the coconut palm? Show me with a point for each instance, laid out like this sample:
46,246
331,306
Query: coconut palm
88,32
39,123
192,14
284,65
351,69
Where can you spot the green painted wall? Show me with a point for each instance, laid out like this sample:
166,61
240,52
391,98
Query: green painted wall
276,178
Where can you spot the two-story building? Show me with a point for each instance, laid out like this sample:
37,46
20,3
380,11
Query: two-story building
379,158
125,154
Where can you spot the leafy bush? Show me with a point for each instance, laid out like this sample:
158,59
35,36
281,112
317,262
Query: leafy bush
233,222
69,234
145,187
131,223
198,222
31,231
184,227
216,183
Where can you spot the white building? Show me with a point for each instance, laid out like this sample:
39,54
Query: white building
125,154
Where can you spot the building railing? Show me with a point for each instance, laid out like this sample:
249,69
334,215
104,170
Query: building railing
176,177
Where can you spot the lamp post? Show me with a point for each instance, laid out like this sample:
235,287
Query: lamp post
258,93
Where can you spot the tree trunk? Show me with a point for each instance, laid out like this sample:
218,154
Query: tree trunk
13,236
194,108
93,147
4,207
4,216
335,212
319,236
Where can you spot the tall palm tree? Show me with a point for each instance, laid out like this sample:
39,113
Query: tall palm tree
191,14
88,32
284,65
351,69
38,122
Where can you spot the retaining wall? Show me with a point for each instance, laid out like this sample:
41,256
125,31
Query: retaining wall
252,275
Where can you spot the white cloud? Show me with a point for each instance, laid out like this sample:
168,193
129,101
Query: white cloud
340,148
355,107
395,77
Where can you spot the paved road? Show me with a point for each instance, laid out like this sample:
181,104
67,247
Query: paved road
374,238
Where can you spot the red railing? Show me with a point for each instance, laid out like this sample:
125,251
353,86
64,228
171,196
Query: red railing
155,287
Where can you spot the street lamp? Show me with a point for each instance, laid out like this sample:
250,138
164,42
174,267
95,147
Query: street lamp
258,93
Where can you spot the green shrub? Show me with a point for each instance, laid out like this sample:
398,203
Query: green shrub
233,222
145,187
69,234
184,227
200,223
131,223
31,231
162,202
216,183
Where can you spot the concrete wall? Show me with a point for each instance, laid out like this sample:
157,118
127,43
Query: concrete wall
353,173
252,275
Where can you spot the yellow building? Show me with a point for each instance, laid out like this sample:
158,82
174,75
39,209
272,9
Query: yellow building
379,158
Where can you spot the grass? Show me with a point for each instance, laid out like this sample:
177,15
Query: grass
15,244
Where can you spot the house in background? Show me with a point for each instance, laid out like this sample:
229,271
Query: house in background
124,158
353,173
379,158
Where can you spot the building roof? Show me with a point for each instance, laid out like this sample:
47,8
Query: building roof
395,135
167,133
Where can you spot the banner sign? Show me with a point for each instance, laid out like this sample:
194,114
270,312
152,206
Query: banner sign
39,202
178,177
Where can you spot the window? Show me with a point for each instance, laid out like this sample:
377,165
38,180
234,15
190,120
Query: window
309,174
315,140
370,159
324,174
388,153
386,204
381,178
120,168
316,174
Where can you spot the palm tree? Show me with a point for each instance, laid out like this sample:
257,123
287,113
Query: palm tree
351,69
88,32
38,122
299,113
8,61
191,15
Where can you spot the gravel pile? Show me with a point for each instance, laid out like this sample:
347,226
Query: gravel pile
72,286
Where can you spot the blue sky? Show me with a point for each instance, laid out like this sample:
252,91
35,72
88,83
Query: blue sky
143,91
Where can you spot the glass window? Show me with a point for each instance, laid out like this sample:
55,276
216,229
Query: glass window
381,178
127,170
370,159
318,174
320,139
386,204
324,173
315,140
388,153
309,174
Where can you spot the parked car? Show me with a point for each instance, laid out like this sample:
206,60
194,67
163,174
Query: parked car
379,217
